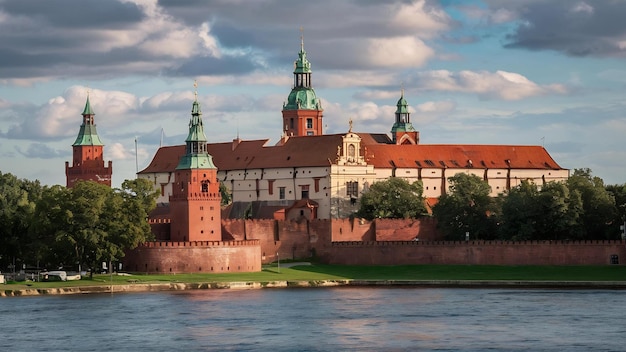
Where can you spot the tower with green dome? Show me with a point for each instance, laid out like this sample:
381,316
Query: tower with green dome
402,131
195,199
302,112
87,154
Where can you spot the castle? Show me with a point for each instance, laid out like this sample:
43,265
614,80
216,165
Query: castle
316,176
293,199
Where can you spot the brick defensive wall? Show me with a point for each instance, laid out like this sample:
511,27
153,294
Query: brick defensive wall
195,257
477,252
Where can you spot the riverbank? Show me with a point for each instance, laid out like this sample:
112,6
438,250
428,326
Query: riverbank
177,286
304,274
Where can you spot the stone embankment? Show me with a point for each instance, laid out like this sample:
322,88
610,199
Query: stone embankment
177,286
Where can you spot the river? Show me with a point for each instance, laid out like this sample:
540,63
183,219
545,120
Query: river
319,319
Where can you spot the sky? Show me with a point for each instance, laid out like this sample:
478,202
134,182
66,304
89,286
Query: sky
524,72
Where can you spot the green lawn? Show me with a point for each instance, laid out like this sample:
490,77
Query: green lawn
329,272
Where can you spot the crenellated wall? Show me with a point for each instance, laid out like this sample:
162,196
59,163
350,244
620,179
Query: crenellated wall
248,243
200,256
476,253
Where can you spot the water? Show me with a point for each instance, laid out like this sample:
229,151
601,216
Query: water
329,319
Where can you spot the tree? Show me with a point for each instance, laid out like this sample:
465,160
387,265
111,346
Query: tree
520,214
226,196
18,200
619,194
129,227
466,208
561,211
91,223
392,198
600,217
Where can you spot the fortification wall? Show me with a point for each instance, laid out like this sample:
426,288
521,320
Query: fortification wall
353,230
193,257
424,229
475,253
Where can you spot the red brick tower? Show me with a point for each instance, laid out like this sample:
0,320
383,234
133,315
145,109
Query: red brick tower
87,160
302,112
195,200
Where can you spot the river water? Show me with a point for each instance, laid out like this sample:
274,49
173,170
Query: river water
319,319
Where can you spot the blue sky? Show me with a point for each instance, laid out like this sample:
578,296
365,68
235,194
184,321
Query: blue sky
528,72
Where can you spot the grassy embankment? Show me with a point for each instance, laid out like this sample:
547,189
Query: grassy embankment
339,272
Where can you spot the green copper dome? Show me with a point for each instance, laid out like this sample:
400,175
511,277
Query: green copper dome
302,96
403,106
302,99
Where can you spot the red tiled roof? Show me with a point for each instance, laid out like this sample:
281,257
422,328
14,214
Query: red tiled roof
308,151
459,156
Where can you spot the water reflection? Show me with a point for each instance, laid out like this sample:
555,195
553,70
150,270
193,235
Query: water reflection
315,319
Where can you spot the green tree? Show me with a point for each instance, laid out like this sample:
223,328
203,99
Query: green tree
560,211
600,217
126,217
520,216
619,194
392,198
226,196
18,200
467,207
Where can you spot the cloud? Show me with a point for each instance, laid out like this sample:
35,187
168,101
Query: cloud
399,52
40,41
575,28
135,37
487,85
117,151
41,151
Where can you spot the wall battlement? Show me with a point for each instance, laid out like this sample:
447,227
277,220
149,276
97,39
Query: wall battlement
477,243
200,244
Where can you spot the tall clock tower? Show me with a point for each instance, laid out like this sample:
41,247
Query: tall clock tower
195,201
87,154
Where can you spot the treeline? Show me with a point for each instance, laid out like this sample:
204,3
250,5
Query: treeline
75,228
581,208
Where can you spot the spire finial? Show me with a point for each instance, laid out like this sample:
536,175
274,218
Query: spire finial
301,38
195,88
402,89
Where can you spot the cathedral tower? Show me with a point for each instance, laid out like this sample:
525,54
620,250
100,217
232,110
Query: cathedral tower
195,200
87,154
402,131
302,112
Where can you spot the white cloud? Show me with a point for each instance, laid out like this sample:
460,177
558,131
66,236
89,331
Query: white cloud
491,85
422,20
116,151
398,52
356,79
436,107
582,7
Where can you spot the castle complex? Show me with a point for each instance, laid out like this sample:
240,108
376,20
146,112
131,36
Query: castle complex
294,199
308,174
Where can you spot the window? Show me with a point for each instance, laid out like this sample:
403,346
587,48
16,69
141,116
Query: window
281,192
305,191
309,133
270,186
205,186
352,189
309,123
